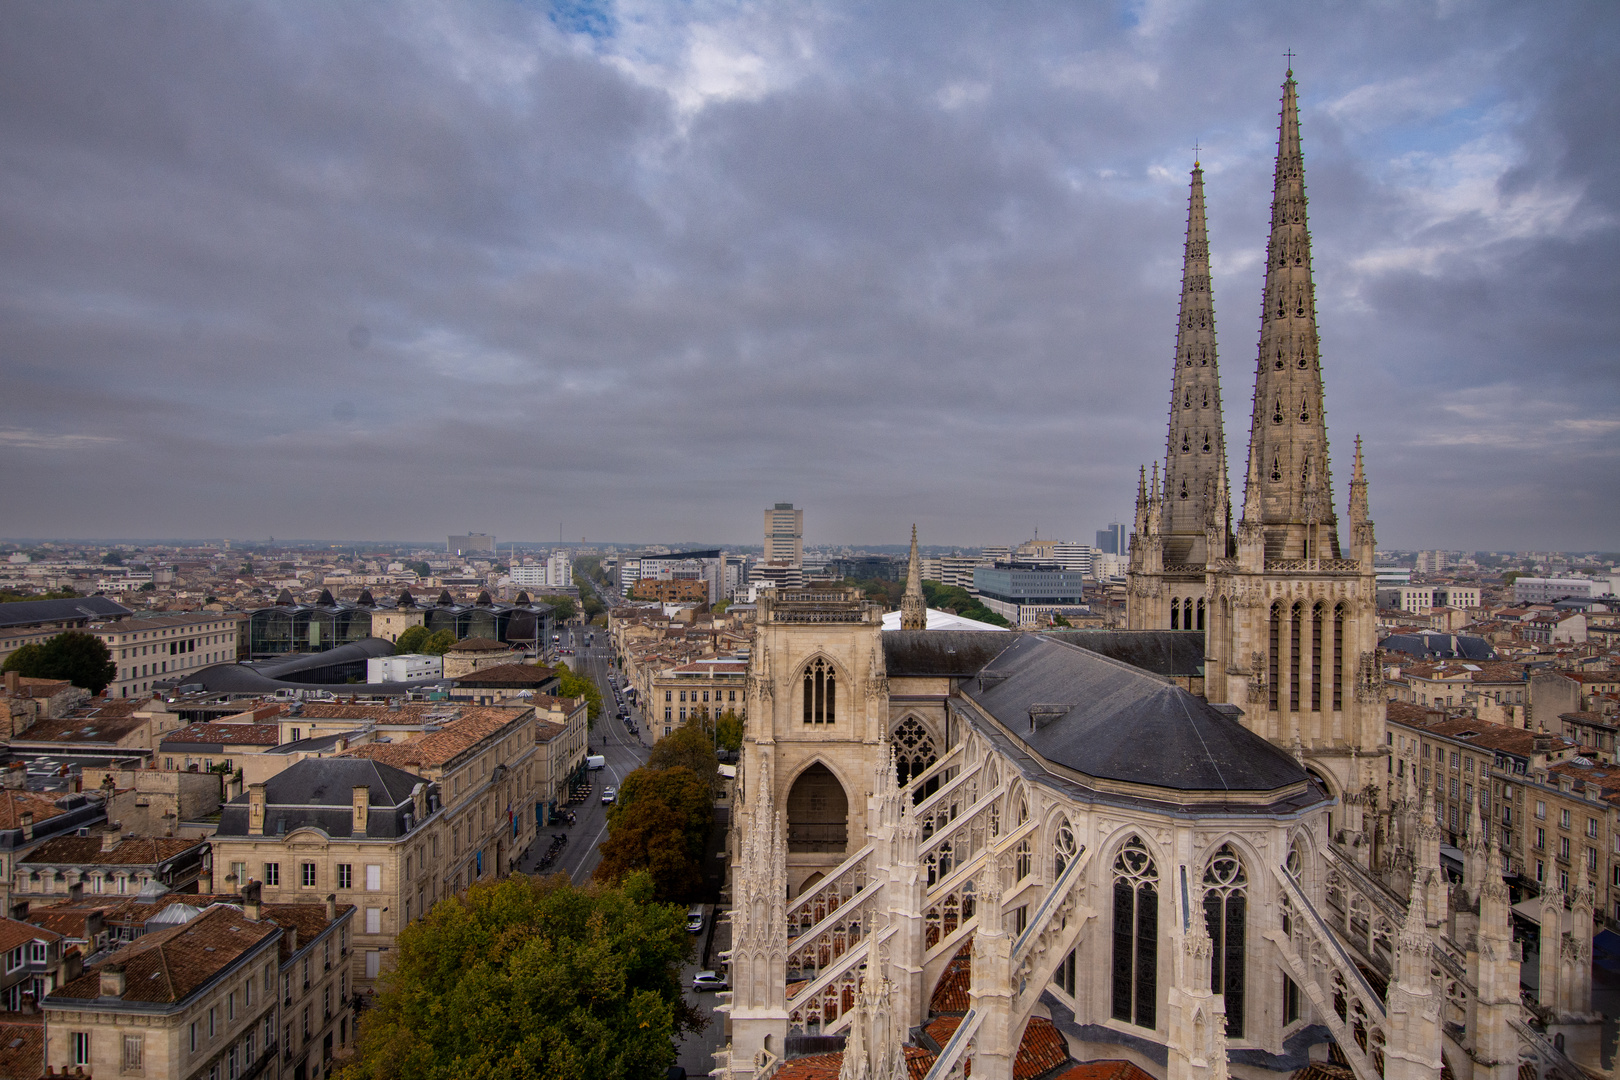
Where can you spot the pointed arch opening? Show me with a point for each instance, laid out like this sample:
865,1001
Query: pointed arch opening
1226,897
817,812
820,692
1135,967
913,753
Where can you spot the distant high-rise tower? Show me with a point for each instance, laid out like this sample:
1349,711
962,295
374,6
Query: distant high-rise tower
913,608
1111,541
1186,521
472,543
784,535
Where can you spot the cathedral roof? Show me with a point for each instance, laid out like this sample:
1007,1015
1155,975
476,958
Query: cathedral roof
941,652
1111,721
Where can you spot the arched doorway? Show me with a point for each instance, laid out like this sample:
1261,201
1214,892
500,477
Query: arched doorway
817,812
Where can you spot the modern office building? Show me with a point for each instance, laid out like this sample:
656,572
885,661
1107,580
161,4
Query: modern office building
1024,592
471,544
784,534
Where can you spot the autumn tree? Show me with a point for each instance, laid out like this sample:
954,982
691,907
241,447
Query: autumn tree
659,826
690,745
532,978
439,642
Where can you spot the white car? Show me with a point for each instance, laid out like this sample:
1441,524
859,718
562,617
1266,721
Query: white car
609,795
709,980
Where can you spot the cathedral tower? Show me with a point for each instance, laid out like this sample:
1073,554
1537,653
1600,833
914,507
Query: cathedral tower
1292,631
1178,522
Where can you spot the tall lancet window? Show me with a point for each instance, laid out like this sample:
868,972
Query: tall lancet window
1226,890
1136,935
820,693
1335,663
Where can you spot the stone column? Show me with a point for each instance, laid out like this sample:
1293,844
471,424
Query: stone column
990,992
1552,944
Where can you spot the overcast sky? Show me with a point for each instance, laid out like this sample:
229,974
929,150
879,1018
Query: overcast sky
635,271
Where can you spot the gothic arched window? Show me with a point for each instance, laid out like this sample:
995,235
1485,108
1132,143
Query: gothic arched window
1064,846
1226,890
1136,935
820,693
1175,614
913,750
1200,613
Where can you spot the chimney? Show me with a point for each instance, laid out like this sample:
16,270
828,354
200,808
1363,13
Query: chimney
205,881
19,910
75,892
26,820
11,682
362,808
251,906
255,809
72,965
112,980
28,1006
16,776
331,906
341,745
289,934
109,835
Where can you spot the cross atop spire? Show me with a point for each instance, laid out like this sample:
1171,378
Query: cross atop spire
1290,55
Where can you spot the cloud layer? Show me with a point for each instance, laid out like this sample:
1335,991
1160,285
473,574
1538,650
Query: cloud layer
637,271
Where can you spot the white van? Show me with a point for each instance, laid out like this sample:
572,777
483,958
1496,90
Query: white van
596,761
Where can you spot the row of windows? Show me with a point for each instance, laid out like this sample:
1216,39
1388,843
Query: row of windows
717,695
308,874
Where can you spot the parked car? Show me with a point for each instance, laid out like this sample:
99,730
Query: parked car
709,980
609,795
694,919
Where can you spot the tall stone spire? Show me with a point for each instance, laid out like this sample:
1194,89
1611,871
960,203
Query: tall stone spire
913,608
1288,449
1195,456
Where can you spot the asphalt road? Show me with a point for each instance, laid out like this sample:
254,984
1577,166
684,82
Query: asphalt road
623,751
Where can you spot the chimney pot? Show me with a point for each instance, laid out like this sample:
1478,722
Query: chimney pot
112,980
252,907
331,906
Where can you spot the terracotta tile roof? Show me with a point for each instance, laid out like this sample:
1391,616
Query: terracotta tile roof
941,1028
14,804
951,994
503,675
919,1061
1322,1070
546,730
811,1067
22,1046
308,919
1104,1070
480,644
28,686
440,747
138,851
14,933
167,966
226,734
1042,1049
101,725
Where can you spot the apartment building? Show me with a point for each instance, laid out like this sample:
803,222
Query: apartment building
32,963
713,684
1554,814
194,1000
29,819
107,862
153,649
394,824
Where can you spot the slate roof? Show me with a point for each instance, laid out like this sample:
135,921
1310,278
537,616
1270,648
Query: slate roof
167,966
137,851
1114,722
1438,645
1169,653
80,608
318,792
942,652
522,676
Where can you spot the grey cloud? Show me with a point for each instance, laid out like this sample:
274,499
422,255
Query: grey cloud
925,270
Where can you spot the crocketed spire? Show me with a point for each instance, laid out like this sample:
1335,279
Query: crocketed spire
1195,456
913,608
1288,449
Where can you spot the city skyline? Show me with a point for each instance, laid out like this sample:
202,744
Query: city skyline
285,269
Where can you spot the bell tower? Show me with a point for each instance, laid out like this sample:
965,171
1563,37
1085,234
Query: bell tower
1185,521
1292,625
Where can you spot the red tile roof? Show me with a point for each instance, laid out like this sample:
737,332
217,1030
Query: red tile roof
14,933
951,994
227,734
1041,1049
138,851
167,966
14,804
22,1046
1106,1070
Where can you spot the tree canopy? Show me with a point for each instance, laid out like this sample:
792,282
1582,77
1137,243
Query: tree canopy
439,642
691,746
411,640
563,608
956,599
73,655
573,684
532,979
659,826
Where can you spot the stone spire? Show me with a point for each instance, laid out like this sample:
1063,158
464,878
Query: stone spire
1362,543
913,608
1288,449
1195,457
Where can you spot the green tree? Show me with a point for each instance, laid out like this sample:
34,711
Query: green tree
532,979
562,607
422,569
956,599
690,746
659,825
12,596
729,731
439,642
412,640
73,655
147,587
113,558
573,685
